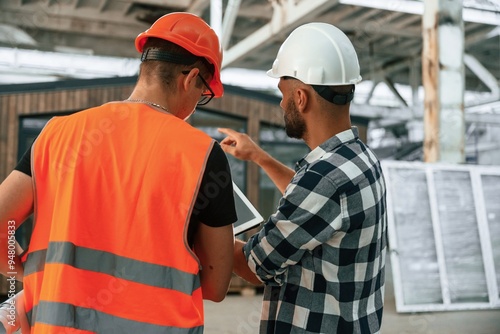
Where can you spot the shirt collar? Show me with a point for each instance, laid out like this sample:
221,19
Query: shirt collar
327,146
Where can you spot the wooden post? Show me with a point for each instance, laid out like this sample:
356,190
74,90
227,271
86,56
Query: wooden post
444,81
252,169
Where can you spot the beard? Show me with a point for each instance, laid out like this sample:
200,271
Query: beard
295,127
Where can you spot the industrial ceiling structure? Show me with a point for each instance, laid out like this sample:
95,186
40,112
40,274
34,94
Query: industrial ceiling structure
386,34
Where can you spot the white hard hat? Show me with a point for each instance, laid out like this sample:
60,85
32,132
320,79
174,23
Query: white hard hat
317,54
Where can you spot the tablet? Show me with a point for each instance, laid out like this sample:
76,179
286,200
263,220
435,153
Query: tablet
248,216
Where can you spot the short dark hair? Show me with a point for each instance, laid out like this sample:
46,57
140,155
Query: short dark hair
167,71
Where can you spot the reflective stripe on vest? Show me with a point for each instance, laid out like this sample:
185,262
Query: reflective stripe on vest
114,190
111,264
87,319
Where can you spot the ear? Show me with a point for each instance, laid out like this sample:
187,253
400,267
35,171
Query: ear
190,78
301,97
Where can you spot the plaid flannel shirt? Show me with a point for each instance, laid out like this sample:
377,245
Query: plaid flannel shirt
322,254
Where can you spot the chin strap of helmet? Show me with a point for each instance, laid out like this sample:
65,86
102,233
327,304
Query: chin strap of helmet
328,94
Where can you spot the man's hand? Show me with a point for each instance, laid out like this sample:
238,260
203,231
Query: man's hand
13,315
240,145
16,204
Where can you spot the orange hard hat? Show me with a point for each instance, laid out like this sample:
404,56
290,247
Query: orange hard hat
193,34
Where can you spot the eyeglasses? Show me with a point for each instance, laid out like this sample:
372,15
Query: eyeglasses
207,95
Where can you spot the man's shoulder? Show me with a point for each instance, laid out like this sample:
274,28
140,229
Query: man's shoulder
345,164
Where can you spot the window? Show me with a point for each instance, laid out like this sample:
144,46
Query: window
209,122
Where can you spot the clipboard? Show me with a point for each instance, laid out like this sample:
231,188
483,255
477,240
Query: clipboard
248,216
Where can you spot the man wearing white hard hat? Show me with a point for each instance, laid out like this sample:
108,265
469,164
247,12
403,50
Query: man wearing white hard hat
321,256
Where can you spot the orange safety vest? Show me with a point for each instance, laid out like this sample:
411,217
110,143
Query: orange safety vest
114,190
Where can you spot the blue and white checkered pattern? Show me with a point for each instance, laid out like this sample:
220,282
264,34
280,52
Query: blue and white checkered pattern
322,254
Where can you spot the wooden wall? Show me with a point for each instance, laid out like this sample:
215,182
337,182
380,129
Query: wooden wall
17,104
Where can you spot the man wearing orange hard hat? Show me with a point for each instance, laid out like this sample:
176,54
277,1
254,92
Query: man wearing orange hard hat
126,215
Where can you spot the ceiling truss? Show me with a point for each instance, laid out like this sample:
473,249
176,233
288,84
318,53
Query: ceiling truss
386,34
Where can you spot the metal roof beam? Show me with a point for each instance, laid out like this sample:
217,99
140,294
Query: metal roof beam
256,11
216,17
340,14
370,93
230,15
484,75
74,25
481,35
483,118
381,72
36,15
380,112
417,7
103,5
409,20
378,28
394,91
286,15
198,7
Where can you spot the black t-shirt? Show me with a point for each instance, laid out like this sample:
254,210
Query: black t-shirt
214,204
